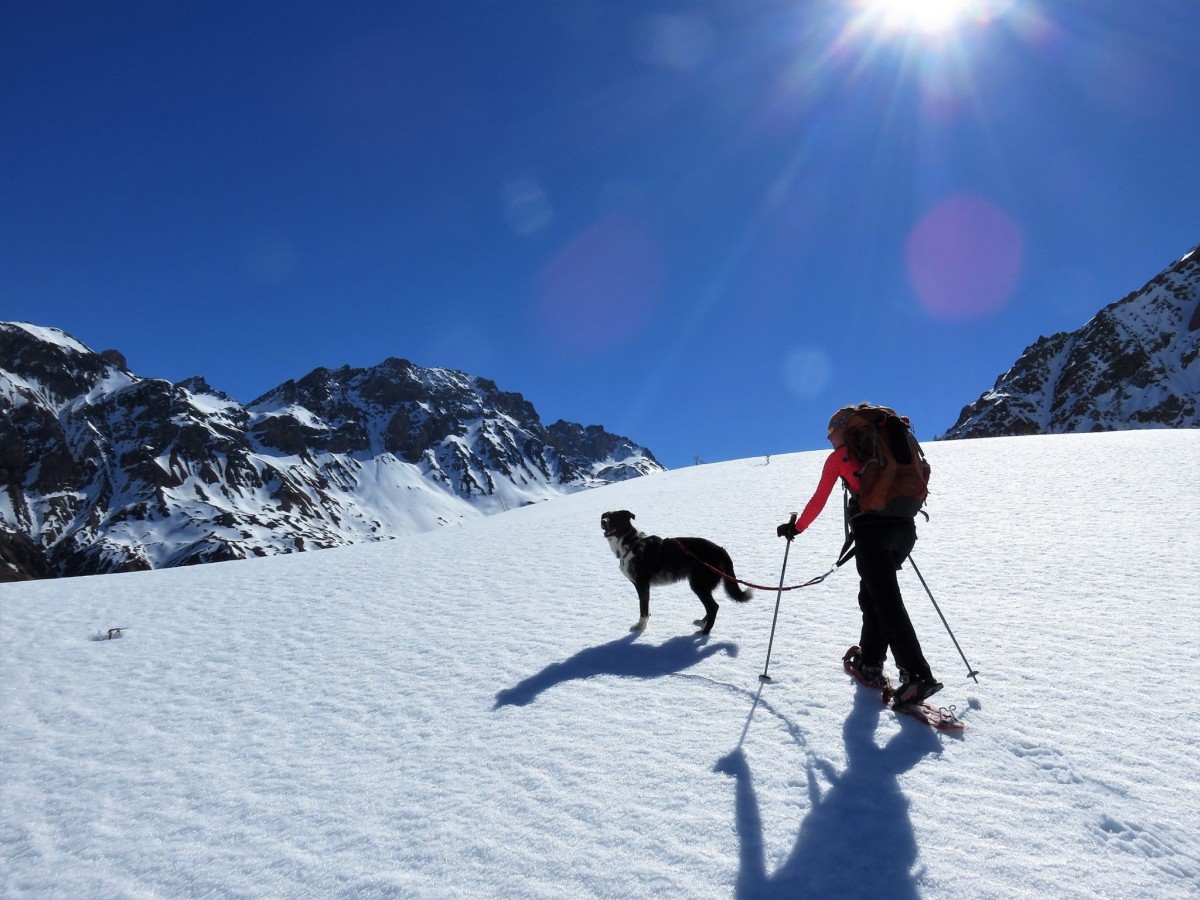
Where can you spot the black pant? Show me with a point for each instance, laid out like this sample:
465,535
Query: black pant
882,545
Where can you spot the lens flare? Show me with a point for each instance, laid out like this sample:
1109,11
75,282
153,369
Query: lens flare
526,208
807,371
601,289
964,258
678,42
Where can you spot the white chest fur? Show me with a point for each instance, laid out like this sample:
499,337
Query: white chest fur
622,547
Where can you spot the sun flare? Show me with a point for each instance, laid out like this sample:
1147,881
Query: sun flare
927,17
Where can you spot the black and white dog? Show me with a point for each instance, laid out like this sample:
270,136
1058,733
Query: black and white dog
647,559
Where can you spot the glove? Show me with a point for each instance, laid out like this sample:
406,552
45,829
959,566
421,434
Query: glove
787,529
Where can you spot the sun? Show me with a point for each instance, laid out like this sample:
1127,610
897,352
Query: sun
926,17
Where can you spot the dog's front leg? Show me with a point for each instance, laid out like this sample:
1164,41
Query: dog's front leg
643,592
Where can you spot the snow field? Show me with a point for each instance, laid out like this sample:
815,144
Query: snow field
464,713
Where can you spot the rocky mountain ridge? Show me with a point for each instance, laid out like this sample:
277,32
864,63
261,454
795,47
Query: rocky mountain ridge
104,471
1133,365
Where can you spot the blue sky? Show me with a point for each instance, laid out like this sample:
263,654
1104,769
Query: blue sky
702,225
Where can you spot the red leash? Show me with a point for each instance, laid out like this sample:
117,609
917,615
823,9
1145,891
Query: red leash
760,587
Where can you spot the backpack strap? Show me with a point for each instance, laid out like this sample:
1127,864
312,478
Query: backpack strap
848,548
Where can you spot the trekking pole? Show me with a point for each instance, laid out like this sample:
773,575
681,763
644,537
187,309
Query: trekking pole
778,596
971,673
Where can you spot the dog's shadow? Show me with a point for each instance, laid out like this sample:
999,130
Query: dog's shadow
625,657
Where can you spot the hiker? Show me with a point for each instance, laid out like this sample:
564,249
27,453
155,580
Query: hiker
881,519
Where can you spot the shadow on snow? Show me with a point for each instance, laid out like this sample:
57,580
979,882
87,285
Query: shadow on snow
857,839
625,657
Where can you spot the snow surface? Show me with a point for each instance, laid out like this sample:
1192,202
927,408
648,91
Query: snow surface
463,713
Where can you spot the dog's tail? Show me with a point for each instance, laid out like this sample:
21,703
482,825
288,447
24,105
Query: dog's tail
732,588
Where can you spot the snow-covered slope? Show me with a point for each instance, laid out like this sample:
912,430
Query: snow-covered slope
103,471
1136,364
463,713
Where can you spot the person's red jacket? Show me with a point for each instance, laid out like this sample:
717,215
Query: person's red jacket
837,465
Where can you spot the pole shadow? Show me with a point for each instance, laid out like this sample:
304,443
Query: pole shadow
624,657
857,839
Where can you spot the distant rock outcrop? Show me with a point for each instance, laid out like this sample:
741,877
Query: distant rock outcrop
103,471
1134,365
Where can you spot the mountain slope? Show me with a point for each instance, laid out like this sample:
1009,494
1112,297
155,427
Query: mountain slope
1134,365
462,713
104,471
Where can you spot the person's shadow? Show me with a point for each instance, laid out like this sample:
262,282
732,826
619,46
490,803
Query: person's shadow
857,839
624,657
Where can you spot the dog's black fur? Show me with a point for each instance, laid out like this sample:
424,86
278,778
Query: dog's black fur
647,560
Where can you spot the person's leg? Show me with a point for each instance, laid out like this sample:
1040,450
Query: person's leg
882,545
872,639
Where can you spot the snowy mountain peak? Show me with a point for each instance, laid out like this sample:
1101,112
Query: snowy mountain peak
1133,365
105,471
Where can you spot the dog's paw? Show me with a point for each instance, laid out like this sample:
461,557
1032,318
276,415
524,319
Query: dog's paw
641,624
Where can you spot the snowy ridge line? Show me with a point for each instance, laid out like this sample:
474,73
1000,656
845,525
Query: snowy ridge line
110,472
1135,364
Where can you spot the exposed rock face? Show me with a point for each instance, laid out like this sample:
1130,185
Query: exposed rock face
1134,365
103,471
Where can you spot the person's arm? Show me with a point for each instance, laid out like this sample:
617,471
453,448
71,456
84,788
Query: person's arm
829,475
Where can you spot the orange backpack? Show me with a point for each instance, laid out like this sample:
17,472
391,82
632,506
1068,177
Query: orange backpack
893,476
